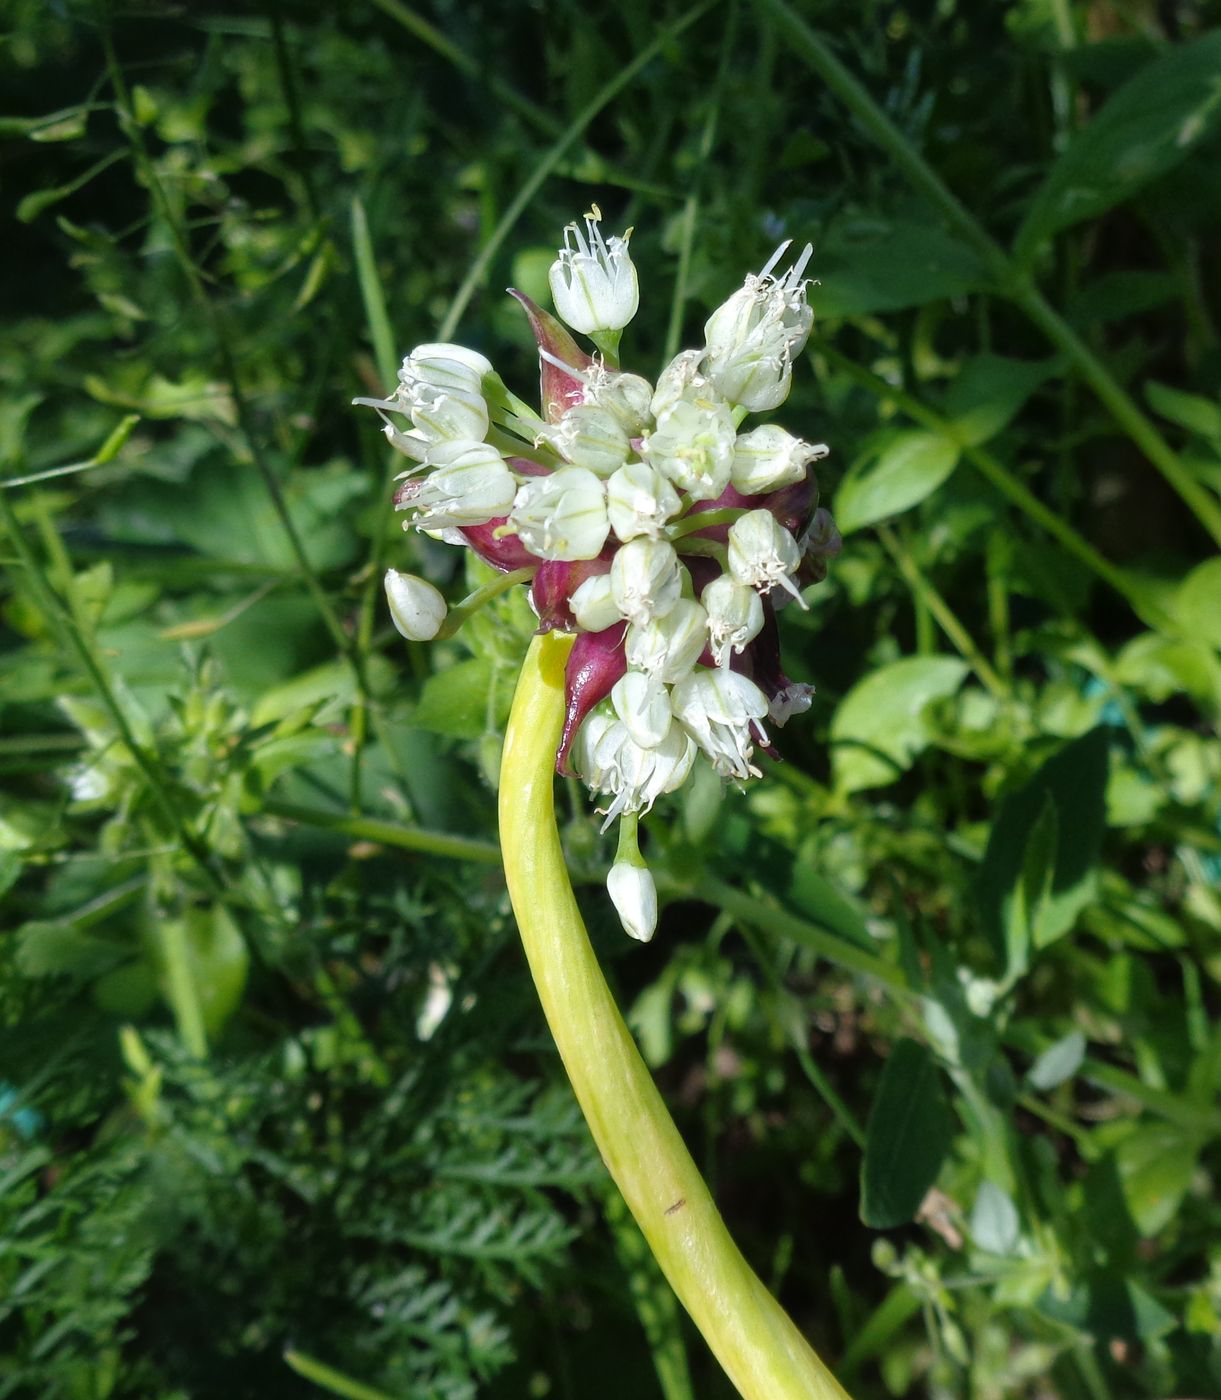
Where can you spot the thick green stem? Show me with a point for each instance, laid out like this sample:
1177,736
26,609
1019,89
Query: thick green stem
761,1350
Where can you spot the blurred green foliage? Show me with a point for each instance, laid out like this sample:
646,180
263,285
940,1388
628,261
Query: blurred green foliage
933,1003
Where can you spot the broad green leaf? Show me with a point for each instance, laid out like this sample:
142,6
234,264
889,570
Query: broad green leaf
1075,780
1058,1062
1156,1164
865,268
1191,411
879,727
989,391
455,702
908,1136
1144,130
1197,603
1107,1304
909,467
1159,667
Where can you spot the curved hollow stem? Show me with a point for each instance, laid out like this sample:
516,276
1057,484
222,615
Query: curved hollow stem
753,1338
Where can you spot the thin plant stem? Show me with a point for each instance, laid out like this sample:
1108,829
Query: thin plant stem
999,476
761,1350
384,833
1012,280
941,611
538,176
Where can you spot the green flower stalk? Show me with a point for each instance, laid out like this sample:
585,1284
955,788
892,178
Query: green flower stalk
659,542
752,1337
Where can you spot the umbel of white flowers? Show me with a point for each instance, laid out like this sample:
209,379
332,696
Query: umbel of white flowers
645,519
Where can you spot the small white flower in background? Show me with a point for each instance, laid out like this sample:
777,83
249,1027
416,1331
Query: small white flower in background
562,516
639,501
668,647
763,554
614,479
735,616
693,445
593,280
767,458
417,609
720,710
634,895
646,579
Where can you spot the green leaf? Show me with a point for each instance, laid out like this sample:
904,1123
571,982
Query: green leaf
1058,1062
1191,411
879,727
907,1138
1026,914
1143,131
990,390
1155,1164
1074,780
1197,603
455,702
865,268
910,466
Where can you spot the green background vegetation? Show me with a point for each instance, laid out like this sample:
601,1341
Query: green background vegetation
931,1003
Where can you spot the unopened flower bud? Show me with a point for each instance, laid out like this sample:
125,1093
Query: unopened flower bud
417,609
767,458
735,616
593,605
692,445
763,554
639,501
562,516
646,579
668,647
634,895
593,281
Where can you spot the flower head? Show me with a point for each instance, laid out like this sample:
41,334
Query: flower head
417,609
593,281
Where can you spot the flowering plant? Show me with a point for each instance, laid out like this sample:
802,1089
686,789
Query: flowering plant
648,523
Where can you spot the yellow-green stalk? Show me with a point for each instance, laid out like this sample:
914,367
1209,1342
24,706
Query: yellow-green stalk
753,1338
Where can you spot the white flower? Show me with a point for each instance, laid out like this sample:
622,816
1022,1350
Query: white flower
562,516
593,604
627,396
445,366
440,389
681,374
417,609
646,579
735,616
768,458
719,709
643,704
593,281
634,895
692,445
752,338
589,436
639,501
612,763
470,486
668,647
763,554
